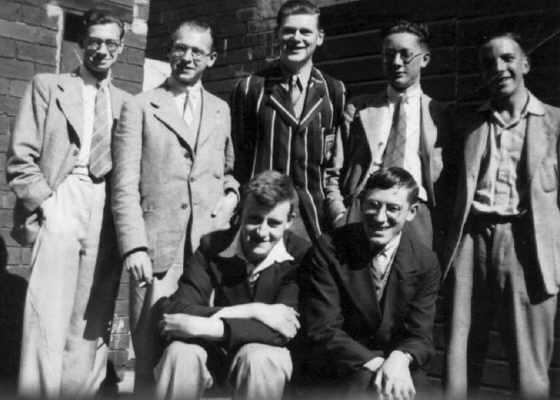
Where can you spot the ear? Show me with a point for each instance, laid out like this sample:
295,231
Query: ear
291,219
120,48
526,65
212,57
321,37
412,212
425,59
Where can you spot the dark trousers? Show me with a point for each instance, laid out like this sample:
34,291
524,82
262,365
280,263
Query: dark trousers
497,280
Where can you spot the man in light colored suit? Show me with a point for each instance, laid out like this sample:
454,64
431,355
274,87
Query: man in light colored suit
58,161
173,179
400,126
503,252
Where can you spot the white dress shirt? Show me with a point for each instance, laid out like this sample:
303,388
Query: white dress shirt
190,112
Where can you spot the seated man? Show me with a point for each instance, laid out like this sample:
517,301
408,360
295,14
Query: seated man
370,293
236,306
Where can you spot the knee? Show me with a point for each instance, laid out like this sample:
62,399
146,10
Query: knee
184,355
265,360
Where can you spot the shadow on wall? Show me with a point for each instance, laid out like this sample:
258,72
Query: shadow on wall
12,299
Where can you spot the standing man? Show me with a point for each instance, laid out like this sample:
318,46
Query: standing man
286,116
398,127
58,161
370,297
504,244
173,179
236,309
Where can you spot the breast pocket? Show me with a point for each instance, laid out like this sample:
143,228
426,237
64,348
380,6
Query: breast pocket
549,174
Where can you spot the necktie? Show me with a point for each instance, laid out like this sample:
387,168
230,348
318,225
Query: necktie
396,143
100,153
188,112
379,266
296,91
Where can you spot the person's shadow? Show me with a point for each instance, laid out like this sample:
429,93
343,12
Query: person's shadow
12,299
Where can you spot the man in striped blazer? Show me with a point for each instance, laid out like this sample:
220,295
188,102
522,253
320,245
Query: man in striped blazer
286,117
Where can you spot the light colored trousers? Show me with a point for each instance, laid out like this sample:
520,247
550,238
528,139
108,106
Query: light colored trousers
142,323
70,298
496,278
257,372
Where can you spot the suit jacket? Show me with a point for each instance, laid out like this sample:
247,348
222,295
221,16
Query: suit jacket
267,135
346,324
211,275
45,144
360,137
160,182
541,158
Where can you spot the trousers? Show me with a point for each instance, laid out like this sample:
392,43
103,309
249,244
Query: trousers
71,294
496,278
257,372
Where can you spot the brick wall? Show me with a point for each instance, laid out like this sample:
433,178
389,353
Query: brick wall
31,41
245,40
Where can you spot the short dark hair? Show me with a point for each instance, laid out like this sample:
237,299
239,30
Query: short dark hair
516,37
271,187
387,178
297,7
100,16
196,25
421,31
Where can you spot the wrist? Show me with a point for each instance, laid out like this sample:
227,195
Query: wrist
404,356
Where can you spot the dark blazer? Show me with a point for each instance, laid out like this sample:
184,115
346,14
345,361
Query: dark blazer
345,323
542,147
267,135
211,281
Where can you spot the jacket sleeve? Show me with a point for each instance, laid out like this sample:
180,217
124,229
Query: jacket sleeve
244,129
125,180
230,183
323,315
24,176
419,321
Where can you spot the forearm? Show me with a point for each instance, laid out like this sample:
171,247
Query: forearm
238,311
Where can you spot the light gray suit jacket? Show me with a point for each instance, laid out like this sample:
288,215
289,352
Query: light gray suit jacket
45,144
160,181
542,141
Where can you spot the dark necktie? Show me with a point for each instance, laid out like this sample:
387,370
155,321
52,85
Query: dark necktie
396,143
100,153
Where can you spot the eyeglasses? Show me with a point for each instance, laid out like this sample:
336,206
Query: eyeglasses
95,44
406,57
180,50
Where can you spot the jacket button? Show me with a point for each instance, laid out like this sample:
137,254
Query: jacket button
76,152
184,206
187,154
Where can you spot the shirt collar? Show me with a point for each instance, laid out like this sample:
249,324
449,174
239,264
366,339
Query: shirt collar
179,89
277,254
89,79
534,106
391,247
414,91
304,74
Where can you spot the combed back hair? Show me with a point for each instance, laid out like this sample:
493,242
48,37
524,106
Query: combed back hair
393,177
196,25
270,188
297,7
421,31
516,37
100,16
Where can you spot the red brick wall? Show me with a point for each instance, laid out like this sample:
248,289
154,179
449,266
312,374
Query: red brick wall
245,40
29,43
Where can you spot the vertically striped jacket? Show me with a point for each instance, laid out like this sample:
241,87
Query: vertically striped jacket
267,135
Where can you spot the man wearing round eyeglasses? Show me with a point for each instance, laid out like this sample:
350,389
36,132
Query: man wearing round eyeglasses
173,180
58,161
400,126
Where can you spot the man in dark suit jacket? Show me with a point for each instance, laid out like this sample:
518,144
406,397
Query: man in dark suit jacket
286,116
503,250
236,306
370,294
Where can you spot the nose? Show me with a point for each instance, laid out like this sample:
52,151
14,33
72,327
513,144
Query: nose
262,229
297,36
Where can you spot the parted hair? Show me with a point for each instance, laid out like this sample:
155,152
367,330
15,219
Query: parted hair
388,178
296,7
403,26
271,187
99,16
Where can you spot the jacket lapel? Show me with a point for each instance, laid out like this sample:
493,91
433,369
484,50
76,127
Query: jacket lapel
69,99
231,276
357,279
537,143
279,98
210,114
428,136
475,146
316,92
165,110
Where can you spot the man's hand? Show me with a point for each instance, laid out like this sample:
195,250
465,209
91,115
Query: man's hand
393,378
139,265
224,210
185,326
374,364
279,317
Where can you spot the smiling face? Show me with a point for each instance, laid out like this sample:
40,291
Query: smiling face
384,214
102,46
262,227
404,57
191,53
503,66
299,37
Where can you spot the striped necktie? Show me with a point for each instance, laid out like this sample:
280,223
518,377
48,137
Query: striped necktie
100,153
396,143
